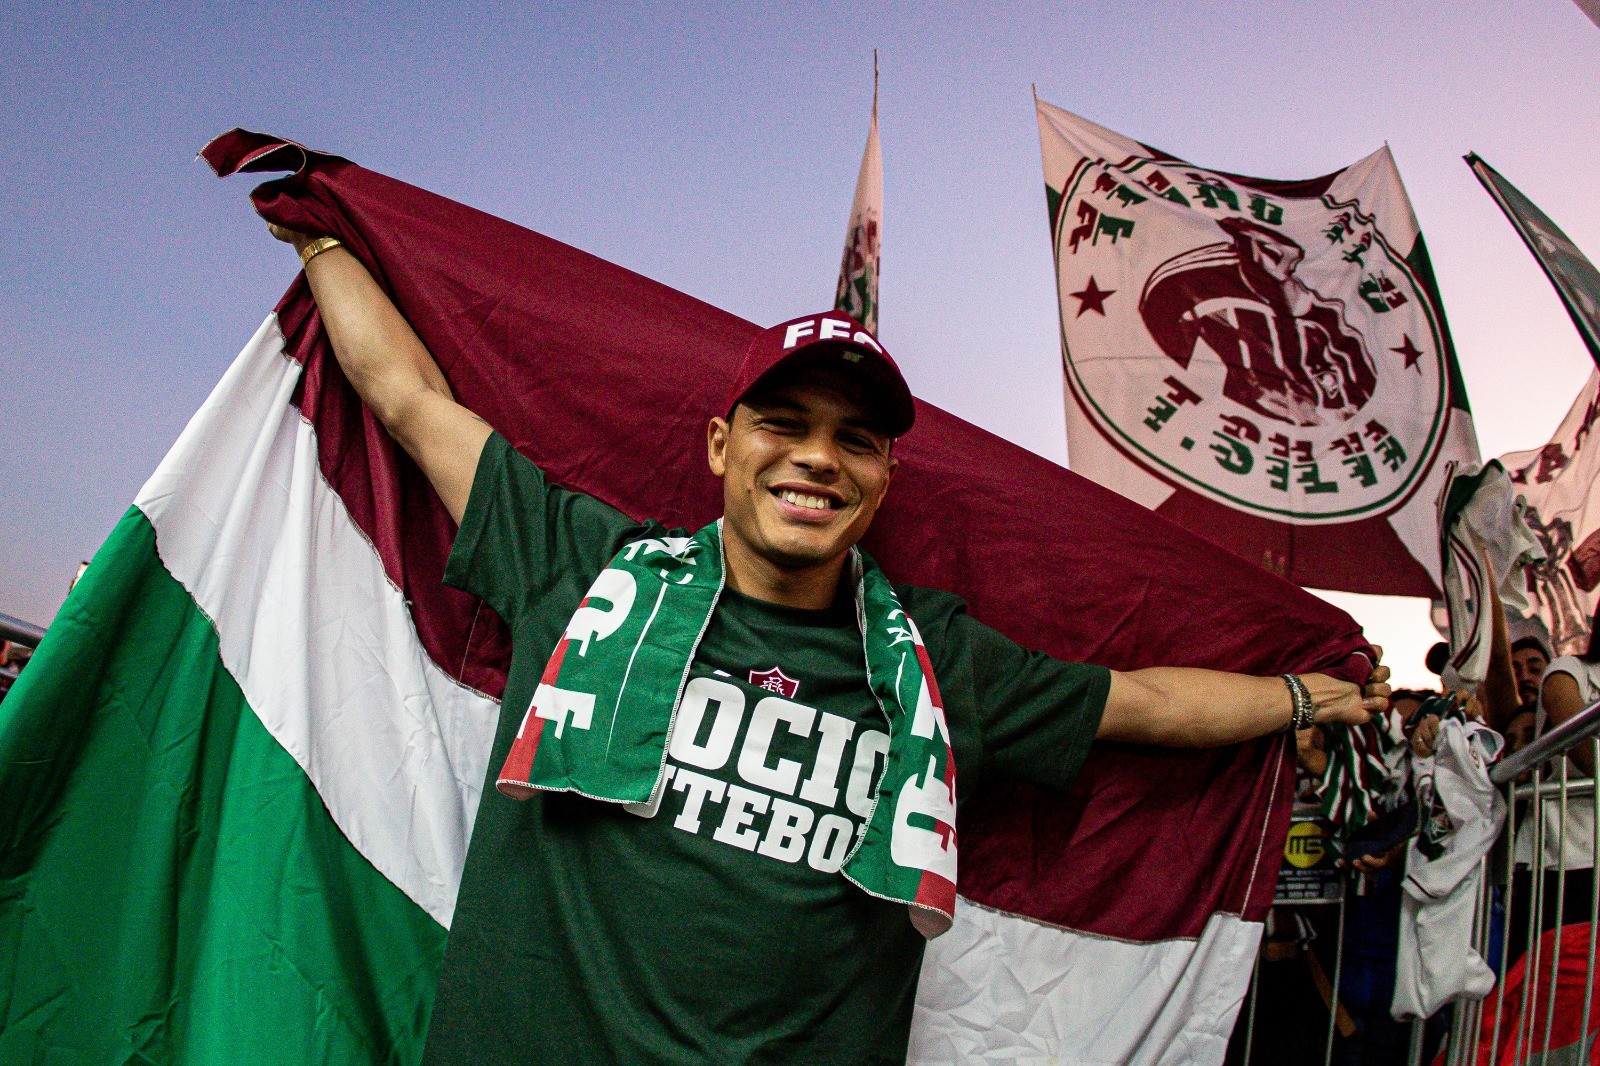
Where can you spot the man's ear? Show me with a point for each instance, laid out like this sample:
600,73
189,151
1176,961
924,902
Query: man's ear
717,446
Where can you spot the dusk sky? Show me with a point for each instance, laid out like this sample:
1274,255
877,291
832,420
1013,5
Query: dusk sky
715,149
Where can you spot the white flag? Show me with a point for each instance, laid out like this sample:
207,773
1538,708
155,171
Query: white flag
1265,363
1558,482
857,295
1487,543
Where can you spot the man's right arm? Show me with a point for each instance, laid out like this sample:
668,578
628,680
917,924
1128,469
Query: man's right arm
394,374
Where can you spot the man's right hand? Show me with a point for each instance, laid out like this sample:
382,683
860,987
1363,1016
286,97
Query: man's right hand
289,236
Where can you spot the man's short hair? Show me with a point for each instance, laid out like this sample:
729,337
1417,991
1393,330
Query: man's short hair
1525,643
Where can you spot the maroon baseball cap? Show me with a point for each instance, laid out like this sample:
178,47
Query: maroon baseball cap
832,338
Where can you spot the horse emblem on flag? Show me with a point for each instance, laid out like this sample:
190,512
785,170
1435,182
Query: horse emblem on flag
1252,357
1271,351
1289,352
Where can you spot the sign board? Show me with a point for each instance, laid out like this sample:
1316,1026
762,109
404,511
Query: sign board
1308,874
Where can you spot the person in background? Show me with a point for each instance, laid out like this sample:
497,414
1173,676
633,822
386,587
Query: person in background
1375,859
1563,843
1529,658
1311,750
1501,696
1437,659
1407,700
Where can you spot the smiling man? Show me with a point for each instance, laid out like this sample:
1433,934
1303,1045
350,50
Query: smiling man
741,751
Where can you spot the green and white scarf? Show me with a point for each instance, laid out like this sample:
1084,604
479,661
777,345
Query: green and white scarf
1366,775
601,719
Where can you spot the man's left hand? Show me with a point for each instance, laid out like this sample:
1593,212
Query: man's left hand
1192,708
1342,703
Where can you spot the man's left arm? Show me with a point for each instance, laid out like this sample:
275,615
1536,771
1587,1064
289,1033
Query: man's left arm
1191,708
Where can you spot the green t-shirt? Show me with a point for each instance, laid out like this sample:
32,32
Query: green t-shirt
719,931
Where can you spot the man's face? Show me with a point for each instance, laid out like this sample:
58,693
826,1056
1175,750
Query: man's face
803,468
1528,665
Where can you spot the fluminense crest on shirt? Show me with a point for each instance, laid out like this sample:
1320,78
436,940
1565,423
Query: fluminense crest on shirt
775,680
602,719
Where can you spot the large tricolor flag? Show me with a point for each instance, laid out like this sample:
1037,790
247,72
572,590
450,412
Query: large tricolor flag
239,780
1264,362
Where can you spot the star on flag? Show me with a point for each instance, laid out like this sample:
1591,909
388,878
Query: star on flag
1092,298
1412,353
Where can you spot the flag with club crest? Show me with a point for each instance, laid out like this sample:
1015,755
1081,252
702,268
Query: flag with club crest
857,294
1559,485
241,774
1266,363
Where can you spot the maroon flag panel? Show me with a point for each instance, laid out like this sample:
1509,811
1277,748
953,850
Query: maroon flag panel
606,379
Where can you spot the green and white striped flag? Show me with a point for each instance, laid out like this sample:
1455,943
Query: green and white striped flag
1575,278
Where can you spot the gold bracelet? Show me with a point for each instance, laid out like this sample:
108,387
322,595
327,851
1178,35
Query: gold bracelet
315,248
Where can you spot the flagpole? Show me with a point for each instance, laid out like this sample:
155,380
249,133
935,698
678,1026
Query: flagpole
1479,166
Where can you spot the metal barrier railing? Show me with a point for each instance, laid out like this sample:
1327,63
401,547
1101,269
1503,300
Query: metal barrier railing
1549,788
1532,1036
1558,741
1539,799
1531,801
15,631
19,632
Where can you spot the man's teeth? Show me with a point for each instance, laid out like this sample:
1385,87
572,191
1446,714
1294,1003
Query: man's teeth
816,503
